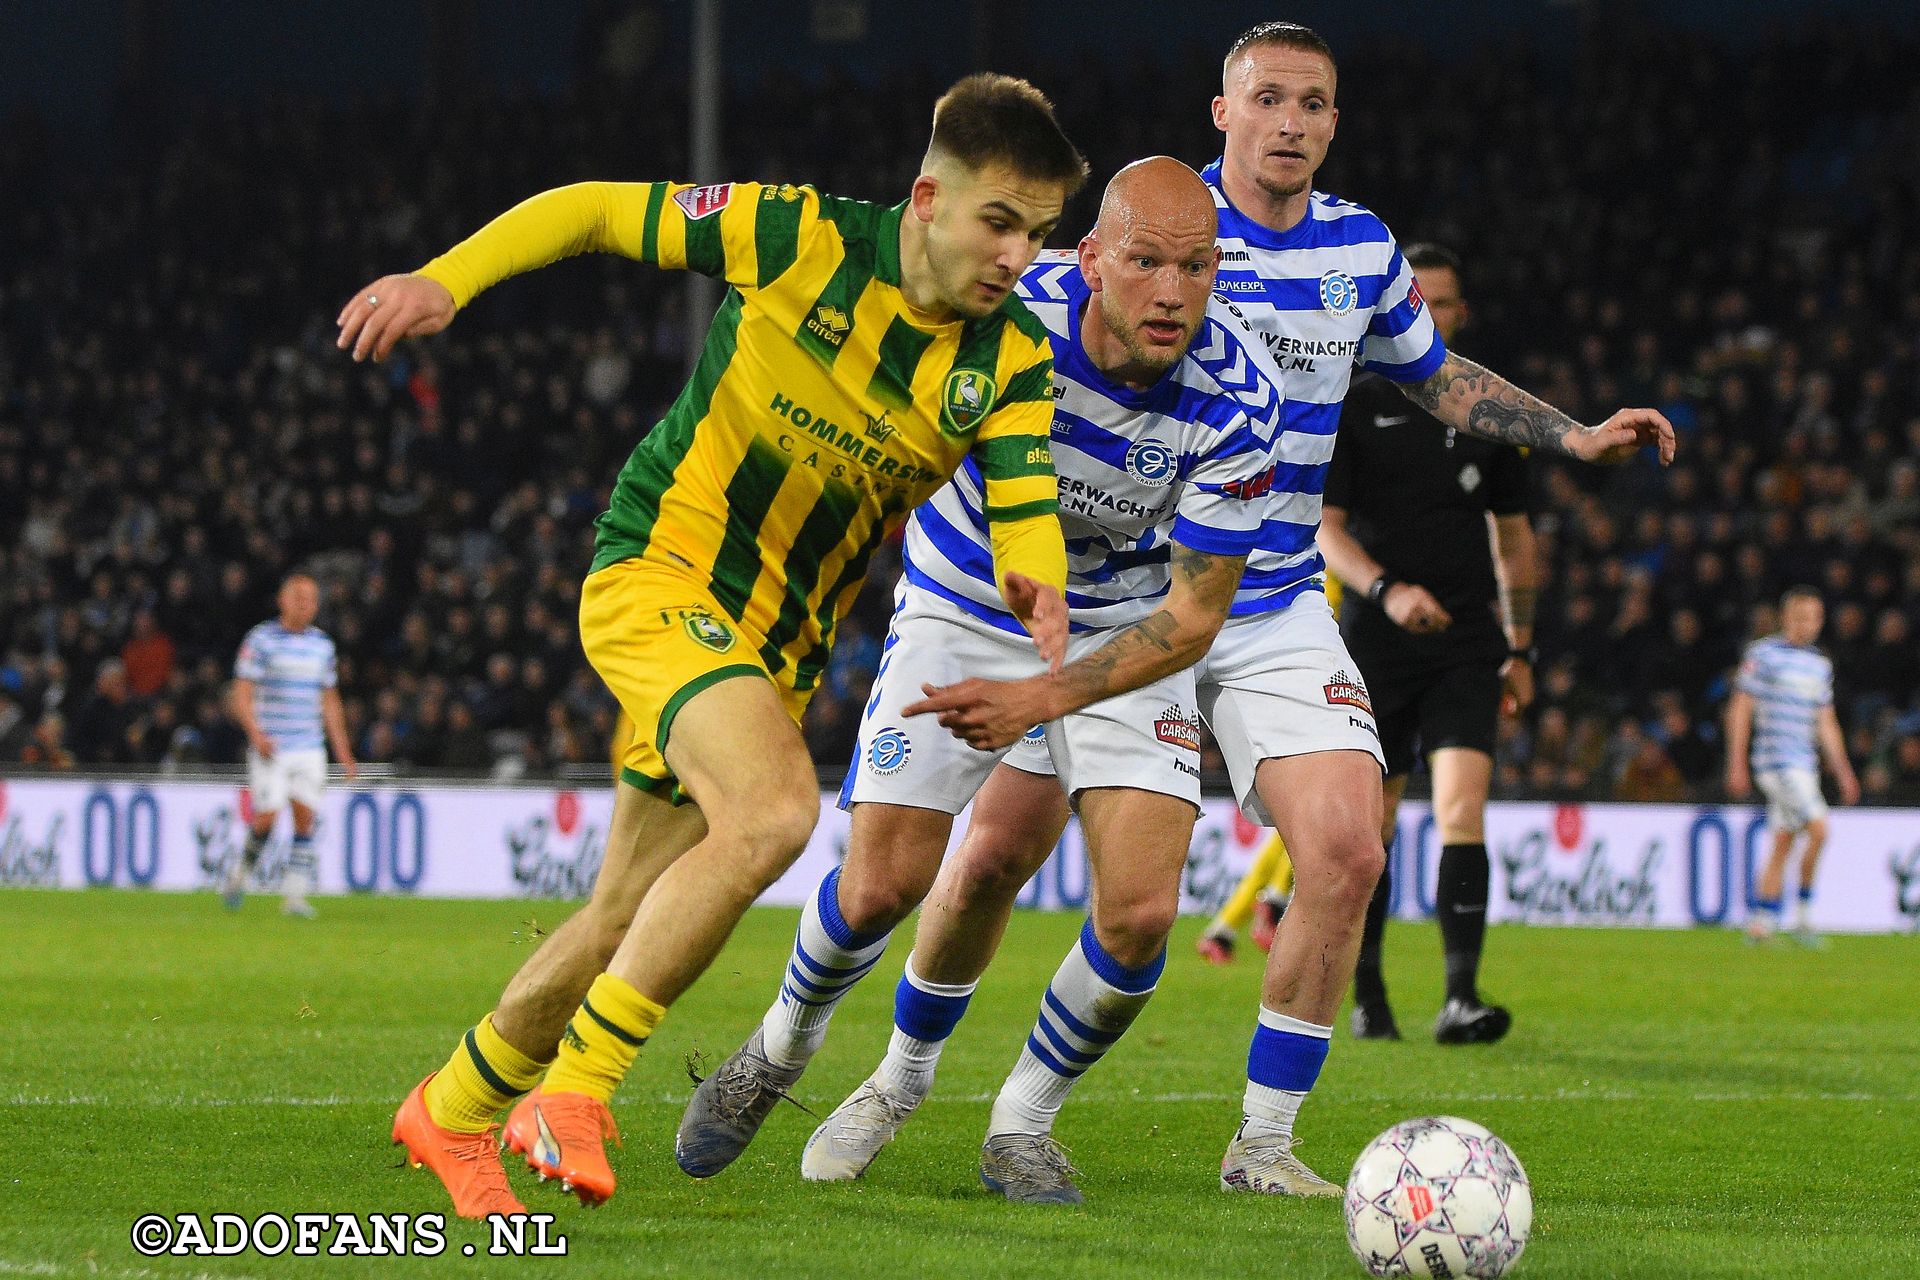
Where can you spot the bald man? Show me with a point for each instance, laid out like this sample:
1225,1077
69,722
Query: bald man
1165,413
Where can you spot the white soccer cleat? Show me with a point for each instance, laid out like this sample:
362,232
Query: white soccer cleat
298,907
1265,1163
848,1140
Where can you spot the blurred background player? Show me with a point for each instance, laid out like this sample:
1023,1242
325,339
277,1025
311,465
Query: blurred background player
1443,633
860,356
1780,722
287,700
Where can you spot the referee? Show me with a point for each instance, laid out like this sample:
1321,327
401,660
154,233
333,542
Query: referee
1441,626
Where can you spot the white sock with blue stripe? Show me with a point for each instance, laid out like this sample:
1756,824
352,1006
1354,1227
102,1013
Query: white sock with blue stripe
828,958
302,873
924,1015
1282,1064
1091,1002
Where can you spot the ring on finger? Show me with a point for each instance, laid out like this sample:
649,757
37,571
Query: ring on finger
373,299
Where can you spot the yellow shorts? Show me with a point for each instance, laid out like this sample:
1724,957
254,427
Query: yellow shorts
657,638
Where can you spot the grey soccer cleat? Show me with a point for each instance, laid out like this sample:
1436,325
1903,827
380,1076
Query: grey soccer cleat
841,1148
1464,1022
298,907
1028,1168
1266,1164
728,1108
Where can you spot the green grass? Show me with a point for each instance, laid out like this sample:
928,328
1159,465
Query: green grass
1686,1106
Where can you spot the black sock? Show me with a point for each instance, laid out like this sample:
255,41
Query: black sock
256,841
1369,985
1463,916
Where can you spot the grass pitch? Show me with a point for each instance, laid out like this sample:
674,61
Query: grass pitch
1686,1106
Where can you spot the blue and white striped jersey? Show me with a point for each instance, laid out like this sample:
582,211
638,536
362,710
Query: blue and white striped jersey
288,670
1789,684
1330,292
1185,461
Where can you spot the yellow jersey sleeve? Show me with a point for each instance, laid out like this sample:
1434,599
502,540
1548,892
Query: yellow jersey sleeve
1022,495
742,232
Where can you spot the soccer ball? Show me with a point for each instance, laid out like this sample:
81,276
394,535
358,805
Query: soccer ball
1438,1197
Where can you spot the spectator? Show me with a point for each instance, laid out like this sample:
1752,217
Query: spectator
147,656
101,725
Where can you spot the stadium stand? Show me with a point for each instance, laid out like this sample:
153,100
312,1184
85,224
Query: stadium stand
177,430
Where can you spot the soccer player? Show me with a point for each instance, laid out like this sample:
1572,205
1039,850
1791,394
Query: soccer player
1324,283
1163,435
1782,711
1430,526
285,696
860,356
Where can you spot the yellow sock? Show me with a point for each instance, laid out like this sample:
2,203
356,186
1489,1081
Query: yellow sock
1239,908
484,1074
603,1038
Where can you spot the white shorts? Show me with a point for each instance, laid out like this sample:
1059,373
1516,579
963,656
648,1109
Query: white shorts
1148,739
299,775
1282,684
1793,797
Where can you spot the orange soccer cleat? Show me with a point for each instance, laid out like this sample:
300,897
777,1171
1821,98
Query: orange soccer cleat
563,1135
467,1164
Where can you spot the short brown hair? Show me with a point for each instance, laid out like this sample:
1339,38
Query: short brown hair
1427,255
1285,35
990,119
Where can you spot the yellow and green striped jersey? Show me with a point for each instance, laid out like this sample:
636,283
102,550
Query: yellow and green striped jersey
824,406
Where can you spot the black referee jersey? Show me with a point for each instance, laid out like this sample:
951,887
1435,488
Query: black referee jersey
1417,495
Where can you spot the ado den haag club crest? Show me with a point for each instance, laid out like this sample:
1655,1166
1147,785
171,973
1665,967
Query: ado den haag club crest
968,399
708,630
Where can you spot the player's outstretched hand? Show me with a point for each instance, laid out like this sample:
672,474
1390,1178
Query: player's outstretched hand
984,714
392,308
1623,435
1044,614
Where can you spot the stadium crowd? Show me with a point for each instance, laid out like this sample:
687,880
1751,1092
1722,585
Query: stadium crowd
1646,226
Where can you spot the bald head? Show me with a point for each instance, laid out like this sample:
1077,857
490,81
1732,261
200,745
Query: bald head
1151,260
1160,193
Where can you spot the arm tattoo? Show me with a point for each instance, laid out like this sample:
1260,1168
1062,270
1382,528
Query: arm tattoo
1094,676
1472,398
1140,652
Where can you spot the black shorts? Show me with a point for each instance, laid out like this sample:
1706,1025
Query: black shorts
1426,708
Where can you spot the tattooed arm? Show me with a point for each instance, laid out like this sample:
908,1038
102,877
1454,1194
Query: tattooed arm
1516,568
991,714
1472,398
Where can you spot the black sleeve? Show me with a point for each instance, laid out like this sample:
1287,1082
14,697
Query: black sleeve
1507,494
1339,490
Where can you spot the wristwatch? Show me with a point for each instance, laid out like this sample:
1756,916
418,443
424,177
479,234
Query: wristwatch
1378,591
1528,655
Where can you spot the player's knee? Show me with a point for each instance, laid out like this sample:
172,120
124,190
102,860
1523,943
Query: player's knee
1134,932
872,903
1355,858
1816,830
987,876
995,862
774,828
